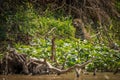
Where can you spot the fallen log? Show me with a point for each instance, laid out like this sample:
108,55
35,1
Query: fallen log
76,66
16,63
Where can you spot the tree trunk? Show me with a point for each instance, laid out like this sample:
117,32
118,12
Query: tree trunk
53,49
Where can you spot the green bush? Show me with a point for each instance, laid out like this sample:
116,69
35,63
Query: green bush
74,52
26,24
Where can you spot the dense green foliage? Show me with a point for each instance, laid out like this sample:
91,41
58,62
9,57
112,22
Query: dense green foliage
68,49
117,4
31,33
28,23
72,52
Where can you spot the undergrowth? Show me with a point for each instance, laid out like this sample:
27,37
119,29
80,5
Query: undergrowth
38,30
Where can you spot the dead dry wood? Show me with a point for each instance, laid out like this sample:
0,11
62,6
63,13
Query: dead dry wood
16,63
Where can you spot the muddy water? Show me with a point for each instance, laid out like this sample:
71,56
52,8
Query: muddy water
68,76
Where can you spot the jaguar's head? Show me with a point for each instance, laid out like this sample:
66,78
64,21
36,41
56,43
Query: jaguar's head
77,23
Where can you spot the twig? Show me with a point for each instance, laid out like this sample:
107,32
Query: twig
49,32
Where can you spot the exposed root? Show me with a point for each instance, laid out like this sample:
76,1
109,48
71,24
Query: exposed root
15,63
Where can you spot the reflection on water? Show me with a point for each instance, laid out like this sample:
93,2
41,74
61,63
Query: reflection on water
68,76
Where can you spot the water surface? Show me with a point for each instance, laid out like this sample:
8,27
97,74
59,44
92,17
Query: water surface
68,76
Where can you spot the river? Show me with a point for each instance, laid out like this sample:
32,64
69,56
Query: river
68,76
